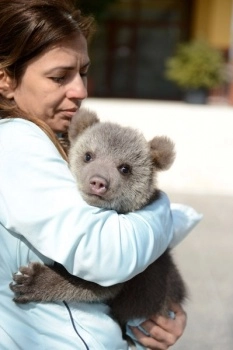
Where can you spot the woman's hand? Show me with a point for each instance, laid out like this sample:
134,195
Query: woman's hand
163,332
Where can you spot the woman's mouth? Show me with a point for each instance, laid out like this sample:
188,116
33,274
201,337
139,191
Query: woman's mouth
69,113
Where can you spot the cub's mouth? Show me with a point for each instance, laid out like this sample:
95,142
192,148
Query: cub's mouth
94,195
99,201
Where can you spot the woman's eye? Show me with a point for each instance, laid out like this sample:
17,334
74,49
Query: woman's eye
58,80
87,157
83,74
124,169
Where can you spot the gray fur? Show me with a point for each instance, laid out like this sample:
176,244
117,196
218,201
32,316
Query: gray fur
115,168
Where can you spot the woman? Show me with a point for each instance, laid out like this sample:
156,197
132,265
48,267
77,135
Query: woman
43,77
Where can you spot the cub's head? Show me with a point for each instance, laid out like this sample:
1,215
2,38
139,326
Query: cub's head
115,167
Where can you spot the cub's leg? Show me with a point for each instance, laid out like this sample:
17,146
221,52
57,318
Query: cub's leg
42,283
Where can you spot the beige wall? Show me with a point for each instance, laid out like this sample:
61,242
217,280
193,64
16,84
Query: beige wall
212,21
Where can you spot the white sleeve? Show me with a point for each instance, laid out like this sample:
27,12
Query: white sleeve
185,218
39,200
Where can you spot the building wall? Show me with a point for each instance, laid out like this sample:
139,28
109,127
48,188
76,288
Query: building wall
135,41
136,37
212,22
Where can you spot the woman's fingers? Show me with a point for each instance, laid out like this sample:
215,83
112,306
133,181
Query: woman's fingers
160,332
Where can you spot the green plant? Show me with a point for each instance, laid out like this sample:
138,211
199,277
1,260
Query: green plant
196,65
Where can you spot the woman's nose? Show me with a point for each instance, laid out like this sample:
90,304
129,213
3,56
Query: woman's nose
77,88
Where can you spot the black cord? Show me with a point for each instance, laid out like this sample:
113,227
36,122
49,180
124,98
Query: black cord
74,326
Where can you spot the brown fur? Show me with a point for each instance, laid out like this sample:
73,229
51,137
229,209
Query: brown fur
115,168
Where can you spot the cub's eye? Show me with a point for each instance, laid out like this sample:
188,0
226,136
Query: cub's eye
87,157
124,169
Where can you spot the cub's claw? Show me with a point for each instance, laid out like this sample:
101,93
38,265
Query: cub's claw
24,284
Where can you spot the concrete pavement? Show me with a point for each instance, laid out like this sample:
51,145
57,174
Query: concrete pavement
205,258
202,177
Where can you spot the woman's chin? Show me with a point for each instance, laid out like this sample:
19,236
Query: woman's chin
60,127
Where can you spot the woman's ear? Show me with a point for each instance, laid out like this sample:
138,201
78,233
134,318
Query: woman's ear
6,85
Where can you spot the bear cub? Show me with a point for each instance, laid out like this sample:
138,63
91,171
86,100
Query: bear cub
115,168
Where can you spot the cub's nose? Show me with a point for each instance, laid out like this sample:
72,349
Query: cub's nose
98,185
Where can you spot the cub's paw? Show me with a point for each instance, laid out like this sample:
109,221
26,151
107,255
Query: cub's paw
26,284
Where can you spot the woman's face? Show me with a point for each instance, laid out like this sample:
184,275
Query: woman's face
54,83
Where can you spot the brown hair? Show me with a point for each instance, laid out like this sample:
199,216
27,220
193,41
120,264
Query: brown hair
27,28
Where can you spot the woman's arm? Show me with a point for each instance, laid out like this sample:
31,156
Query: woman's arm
40,201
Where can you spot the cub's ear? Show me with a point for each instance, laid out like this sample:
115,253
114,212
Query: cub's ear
162,152
81,121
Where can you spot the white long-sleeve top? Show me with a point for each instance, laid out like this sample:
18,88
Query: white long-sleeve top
43,218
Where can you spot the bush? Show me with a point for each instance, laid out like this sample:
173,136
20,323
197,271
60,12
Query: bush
196,65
